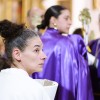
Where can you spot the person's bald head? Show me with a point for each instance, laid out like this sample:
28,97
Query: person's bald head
35,16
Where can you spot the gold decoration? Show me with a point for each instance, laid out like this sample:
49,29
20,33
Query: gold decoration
84,16
36,20
55,26
85,19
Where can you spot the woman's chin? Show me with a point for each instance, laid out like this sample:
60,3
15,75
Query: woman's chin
40,70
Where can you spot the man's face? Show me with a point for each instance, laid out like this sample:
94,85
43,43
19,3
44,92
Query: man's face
35,17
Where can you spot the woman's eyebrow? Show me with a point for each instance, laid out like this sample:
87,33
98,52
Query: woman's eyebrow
37,46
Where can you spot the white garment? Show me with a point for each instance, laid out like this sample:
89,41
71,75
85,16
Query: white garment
91,60
15,84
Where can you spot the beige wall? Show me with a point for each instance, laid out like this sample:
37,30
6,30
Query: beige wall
16,10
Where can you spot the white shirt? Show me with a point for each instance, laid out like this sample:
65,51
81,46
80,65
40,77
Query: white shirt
15,84
91,60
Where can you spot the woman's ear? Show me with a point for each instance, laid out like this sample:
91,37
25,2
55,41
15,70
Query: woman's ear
52,20
16,54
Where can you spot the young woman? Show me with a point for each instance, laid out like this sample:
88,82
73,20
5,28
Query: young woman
65,63
23,56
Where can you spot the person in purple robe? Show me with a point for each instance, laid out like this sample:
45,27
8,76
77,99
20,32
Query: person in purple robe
95,68
95,50
65,61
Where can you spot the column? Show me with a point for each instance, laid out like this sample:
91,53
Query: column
77,6
25,8
8,9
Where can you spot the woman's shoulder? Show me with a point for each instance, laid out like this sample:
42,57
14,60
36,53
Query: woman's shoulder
64,43
75,37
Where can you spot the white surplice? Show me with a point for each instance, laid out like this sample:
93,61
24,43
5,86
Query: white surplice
15,84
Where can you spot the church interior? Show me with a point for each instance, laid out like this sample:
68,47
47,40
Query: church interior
16,11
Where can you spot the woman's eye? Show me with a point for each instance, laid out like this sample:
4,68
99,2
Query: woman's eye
36,50
67,18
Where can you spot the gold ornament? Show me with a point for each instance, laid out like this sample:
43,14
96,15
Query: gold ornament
85,19
55,26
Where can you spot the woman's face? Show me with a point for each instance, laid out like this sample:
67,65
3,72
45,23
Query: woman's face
32,58
64,21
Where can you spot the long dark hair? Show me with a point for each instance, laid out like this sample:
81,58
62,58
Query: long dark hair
54,11
14,35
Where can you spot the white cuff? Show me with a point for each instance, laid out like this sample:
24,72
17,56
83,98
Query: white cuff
91,58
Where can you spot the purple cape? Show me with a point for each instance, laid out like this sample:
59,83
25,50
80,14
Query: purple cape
66,65
93,46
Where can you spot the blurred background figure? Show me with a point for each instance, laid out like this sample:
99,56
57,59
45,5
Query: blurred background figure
95,68
93,62
78,31
34,18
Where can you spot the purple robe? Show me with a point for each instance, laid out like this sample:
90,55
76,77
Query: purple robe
65,65
95,72
93,46
79,45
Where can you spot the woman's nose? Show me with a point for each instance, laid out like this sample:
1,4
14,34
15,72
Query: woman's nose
70,21
44,55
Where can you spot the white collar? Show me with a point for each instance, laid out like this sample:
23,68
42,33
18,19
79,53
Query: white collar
14,71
